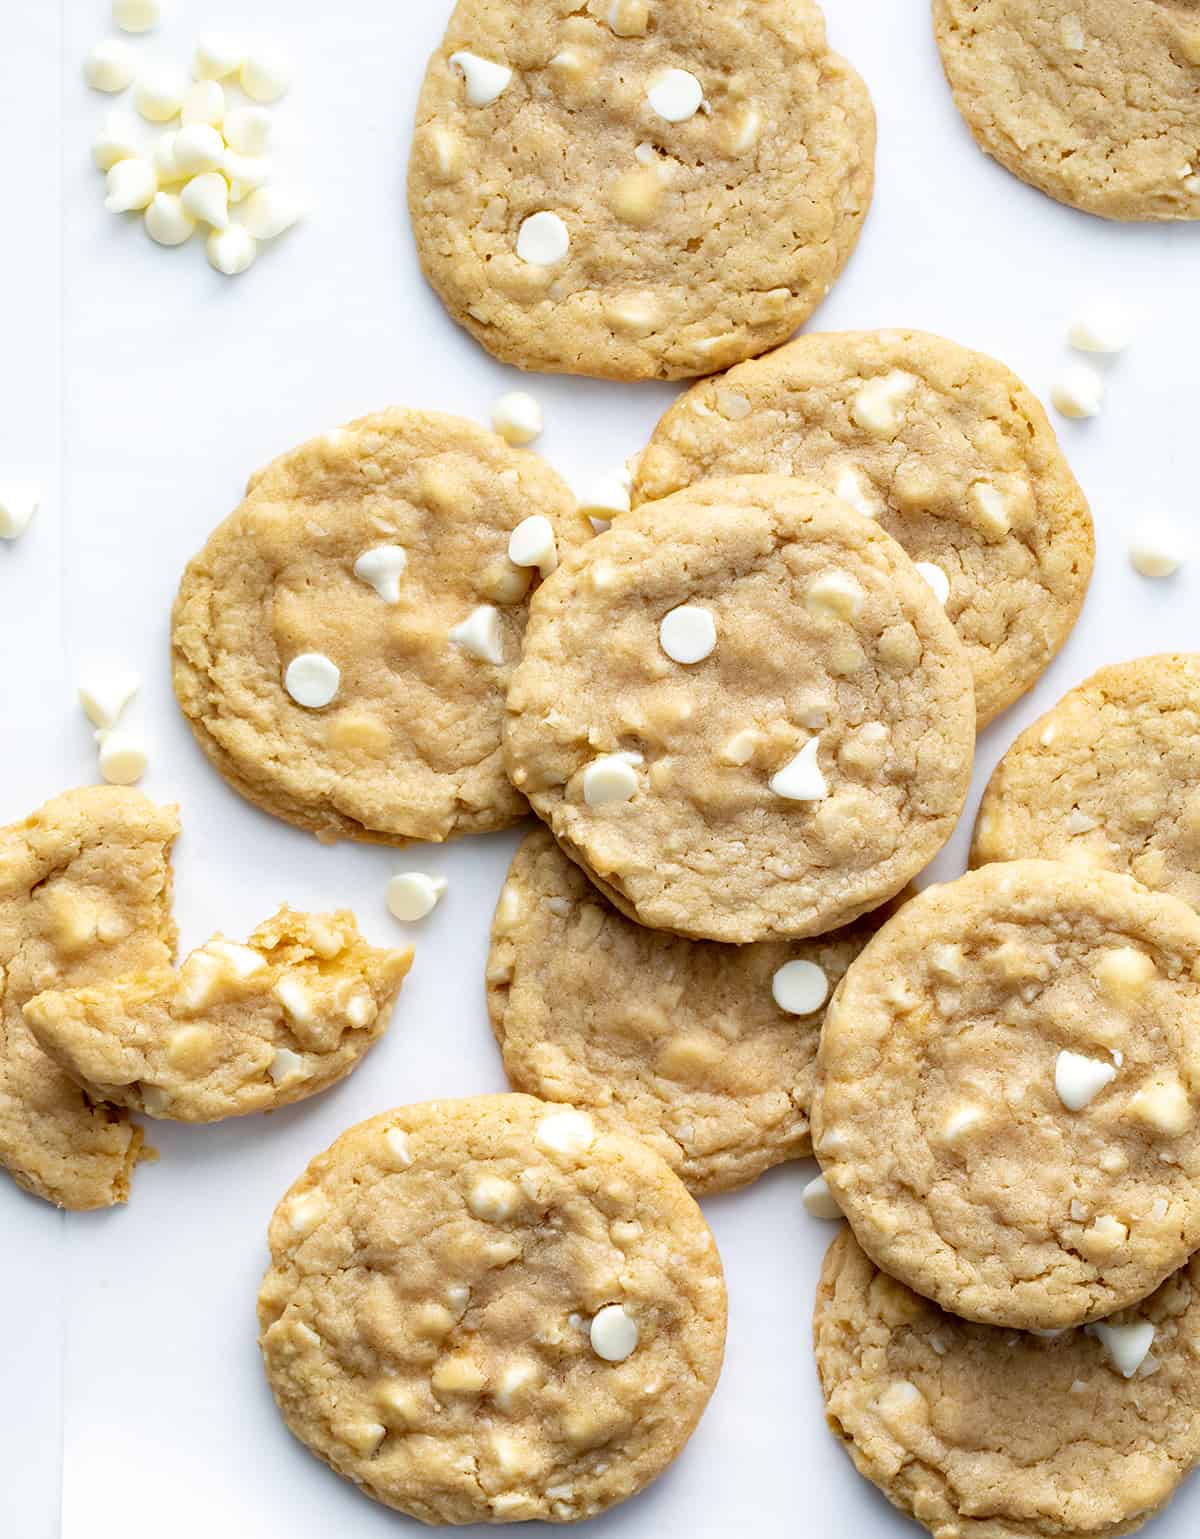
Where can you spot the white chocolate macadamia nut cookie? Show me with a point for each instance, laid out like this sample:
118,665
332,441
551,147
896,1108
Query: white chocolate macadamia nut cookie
491,1310
704,1052
85,895
637,188
239,1028
796,776
1008,1089
945,447
1110,776
343,643
985,1433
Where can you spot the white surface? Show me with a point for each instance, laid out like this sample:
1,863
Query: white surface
140,388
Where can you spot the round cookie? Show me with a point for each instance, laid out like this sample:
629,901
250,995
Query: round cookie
801,771
367,575
1094,102
944,446
637,189
491,1310
1007,1092
1110,776
684,1044
982,1433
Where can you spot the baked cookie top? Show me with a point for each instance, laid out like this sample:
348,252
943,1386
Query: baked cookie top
1110,776
1094,102
491,1310
343,642
85,895
704,1052
239,1028
945,447
992,1434
1007,1089
637,188
743,712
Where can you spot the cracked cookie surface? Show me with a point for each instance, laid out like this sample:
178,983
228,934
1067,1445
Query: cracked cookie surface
239,1028
85,894
1007,1093
795,776
408,746
491,1310
983,1433
681,1043
1094,102
945,447
680,240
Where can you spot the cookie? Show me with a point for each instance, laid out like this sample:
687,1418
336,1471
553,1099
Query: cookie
1007,1092
743,712
704,1052
981,1433
343,642
491,1310
637,189
85,895
237,1029
1094,102
1109,777
944,447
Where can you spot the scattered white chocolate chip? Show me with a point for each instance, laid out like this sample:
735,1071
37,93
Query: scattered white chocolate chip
485,79
123,757
244,960
1078,391
163,158
245,175
231,250
741,747
613,1334
361,1010
565,1132
532,543
382,568
247,130
479,635
1079,1080
836,593
118,139
159,94
285,1065
1101,328
800,779
605,495
800,987
399,1146
413,894
104,696
1157,549
991,507
818,1200
136,15
1123,970
1163,1106
629,18
611,778
306,1211
676,95
19,501
688,634
1126,1345
852,488
167,221
543,239
206,199
130,186
197,148
217,57
312,680
292,993
492,1199
110,66
936,578
517,417
203,105
961,1120
266,212
876,405
264,77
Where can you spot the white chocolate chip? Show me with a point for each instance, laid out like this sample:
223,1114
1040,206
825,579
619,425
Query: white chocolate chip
1105,328
800,987
245,175
836,593
1124,970
819,1201
164,158
876,406
936,579
517,417
110,66
324,938
1078,391
676,95
485,79
292,993
688,634
167,221
361,1010
1079,822
961,1120
217,57
136,15
266,212
118,139
197,148
1079,1080
1157,549
1164,1106
479,635
312,680
413,894
742,746
991,506
244,960
733,405
800,779
206,198
159,94
543,239
946,962
611,778
514,1381
566,1132
19,501
203,105
628,18
532,543
130,186
306,1211
399,1146
264,77
248,130
852,488
492,1199
613,1334
285,1065
607,494
123,758
104,696
382,568
1126,1345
